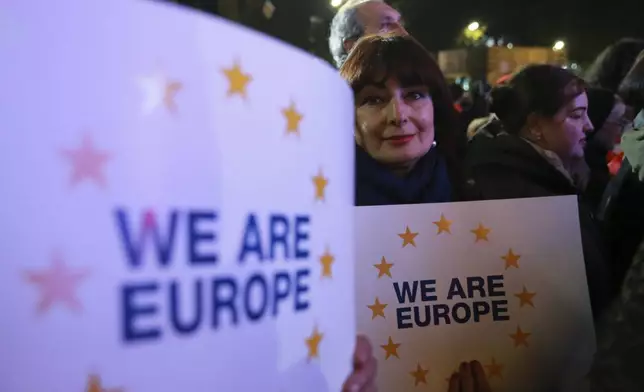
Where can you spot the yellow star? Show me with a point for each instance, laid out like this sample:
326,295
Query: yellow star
444,225
520,338
408,237
525,297
293,119
377,309
391,348
511,259
384,268
481,232
419,375
326,260
320,183
237,80
313,343
494,369
94,385
171,89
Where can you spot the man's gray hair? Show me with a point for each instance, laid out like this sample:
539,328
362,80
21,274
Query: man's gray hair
345,26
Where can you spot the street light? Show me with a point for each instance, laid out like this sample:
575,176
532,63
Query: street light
559,46
474,33
336,3
473,26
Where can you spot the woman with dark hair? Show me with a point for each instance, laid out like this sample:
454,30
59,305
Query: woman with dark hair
542,110
408,149
613,63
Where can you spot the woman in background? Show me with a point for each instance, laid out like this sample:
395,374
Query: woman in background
543,113
620,335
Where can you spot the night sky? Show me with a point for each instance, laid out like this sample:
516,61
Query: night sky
586,29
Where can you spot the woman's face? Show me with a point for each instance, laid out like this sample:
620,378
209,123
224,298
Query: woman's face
611,131
565,133
395,123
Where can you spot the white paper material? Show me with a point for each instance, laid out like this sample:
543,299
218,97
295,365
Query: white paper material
525,314
170,185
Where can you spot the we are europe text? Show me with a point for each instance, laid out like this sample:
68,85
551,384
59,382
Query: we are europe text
175,286
424,309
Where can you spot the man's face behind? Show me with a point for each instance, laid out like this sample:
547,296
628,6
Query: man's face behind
380,18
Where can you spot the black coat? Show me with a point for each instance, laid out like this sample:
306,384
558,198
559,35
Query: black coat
508,167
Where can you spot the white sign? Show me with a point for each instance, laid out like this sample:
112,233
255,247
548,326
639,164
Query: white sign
176,205
502,282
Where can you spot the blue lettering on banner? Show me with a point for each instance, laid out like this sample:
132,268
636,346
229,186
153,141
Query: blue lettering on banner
134,245
427,287
163,240
472,298
186,305
198,235
287,238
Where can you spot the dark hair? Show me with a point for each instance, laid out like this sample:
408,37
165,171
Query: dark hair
632,87
376,58
613,63
539,89
600,104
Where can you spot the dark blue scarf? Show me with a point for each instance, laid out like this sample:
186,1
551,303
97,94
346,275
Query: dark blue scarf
376,185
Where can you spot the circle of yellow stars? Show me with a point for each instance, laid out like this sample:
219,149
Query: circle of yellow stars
239,84
520,338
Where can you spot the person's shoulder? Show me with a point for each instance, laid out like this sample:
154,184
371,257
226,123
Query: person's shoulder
499,181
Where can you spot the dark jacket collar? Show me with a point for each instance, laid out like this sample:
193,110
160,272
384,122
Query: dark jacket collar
428,181
509,152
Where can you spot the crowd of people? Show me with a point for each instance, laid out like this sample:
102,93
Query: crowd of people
543,131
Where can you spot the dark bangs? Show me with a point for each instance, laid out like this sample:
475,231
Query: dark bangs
375,59
575,87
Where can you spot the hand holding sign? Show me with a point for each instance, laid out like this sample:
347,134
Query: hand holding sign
469,378
363,378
